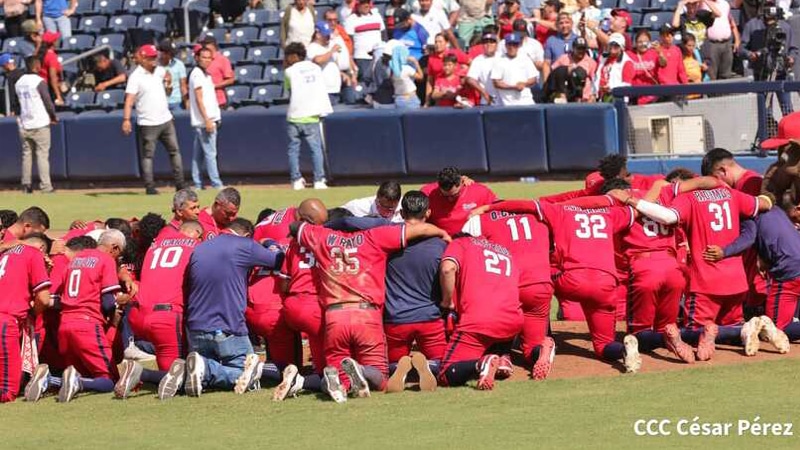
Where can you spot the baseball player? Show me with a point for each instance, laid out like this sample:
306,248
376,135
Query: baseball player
23,277
480,282
221,213
452,199
349,273
185,206
32,220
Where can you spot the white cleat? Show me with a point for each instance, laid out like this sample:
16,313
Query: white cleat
129,378
173,380
196,371
299,184
70,385
290,386
250,379
320,184
749,335
332,385
774,335
632,359
39,383
358,384
134,353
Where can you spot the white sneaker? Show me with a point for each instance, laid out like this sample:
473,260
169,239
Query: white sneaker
320,185
332,385
632,359
774,335
70,385
173,380
299,184
134,353
195,372
291,385
129,378
358,384
39,383
250,379
749,335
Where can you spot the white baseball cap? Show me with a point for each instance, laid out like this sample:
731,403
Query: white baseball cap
617,38
388,49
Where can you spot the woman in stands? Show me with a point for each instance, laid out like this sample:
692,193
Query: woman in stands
645,65
693,63
297,24
406,72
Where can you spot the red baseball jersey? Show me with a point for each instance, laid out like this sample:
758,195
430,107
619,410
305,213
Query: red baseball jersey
276,226
297,266
351,267
163,270
711,217
644,182
22,274
91,274
524,235
647,235
749,183
451,214
584,238
78,232
263,289
8,237
58,272
486,287
210,228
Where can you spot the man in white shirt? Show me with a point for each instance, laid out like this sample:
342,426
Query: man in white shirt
530,47
479,75
513,75
148,87
385,204
435,21
449,7
37,113
205,117
325,53
366,27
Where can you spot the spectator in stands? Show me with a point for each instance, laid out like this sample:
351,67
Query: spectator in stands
297,24
388,14
228,10
51,70
381,89
560,43
614,70
530,48
670,58
690,19
12,74
339,32
546,21
54,15
148,87
722,39
514,74
435,21
205,117
476,46
308,102
406,71
108,73
572,77
586,12
645,65
410,33
15,12
480,71
506,18
37,113
366,28
474,15
436,62
32,38
220,70
693,62
448,87
325,53
450,8
619,22
179,97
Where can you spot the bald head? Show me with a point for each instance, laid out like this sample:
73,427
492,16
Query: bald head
312,210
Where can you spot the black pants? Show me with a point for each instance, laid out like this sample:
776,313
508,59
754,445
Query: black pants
149,136
14,25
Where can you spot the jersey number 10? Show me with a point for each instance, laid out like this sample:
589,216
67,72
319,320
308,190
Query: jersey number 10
166,258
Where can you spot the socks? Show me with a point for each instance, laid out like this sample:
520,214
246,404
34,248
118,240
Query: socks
793,331
730,335
153,376
458,373
374,377
54,381
97,384
614,351
691,337
312,382
534,355
271,373
649,340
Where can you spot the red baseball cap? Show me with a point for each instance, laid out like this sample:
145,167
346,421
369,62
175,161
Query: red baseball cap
593,179
148,51
618,12
50,37
788,131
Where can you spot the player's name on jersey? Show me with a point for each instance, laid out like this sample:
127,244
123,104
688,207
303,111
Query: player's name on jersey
712,195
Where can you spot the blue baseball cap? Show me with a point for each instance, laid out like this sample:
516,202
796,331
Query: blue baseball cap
513,39
324,28
5,58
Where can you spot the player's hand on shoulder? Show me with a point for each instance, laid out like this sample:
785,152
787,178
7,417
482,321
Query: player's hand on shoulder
479,210
713,253
619,194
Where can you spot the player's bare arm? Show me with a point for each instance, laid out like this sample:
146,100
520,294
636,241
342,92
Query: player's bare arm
447,280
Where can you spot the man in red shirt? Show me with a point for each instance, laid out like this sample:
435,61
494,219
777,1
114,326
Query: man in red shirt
32,220
670,58
51,70
479,281
221,213
220,70
349,276
185,206
158,315
23,277
452,200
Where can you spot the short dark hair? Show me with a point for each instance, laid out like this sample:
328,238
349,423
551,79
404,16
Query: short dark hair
35,216
101,55
610,166
229,195
448,178
645,32
266,212
242,227
149,227
614,183
450,58
41,237
415,204
189,224
338,213
79,243
7,218
297,49
123,225
712,158
29,63
491,28
681,173
390,190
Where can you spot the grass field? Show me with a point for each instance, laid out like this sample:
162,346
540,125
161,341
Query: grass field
592,413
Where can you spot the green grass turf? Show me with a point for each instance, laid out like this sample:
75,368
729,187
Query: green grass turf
66,206
556,414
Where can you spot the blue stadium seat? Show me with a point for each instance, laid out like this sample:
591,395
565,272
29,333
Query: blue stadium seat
273,74
654,20
267,93
243,36
11,45
112,98
634,5
664,5
270,36
93,24
119,158
79,100
515,140
569,148
428,148
636,19
258,17
115,41
234,54
77,42
135,6
83,8
2,30
376,129
236,94
250,73
165,6
603,4
155,22
108,7
123,23
736,15
216,33
262,54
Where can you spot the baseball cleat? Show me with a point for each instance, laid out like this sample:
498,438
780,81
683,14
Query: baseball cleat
129,378
291,384
134,353
173,380
706,345
70,385
39,383
320,184
774,335
632,359
674,343
250,379
299,184
749,335
505,368
196,368
358,384
487,368
397,382
544,363
427,381
332,385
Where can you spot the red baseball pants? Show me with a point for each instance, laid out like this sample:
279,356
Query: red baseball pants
356,333
429,337
83,344
701,309
10,359
304,314
164,329
283,344
782,299
595,290
535,299
655,289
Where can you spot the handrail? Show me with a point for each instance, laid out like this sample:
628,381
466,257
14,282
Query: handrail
89,53
7,96
186,28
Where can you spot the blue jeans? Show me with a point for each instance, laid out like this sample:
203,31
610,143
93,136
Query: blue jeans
311,133
60,24
204,156
224,356
401,102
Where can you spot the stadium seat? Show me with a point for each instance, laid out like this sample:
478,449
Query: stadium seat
234,54
654,20
111,99
664,5
636,19
93,24
74,21
77,42
262,54
569,148
71,70
135,6
108,7
634,5
216,33
273,74
515,140
428,148
251,73
376,129
165,6
115,41
236,94
270,36
736,15
2,30
11,45
83,8
264,94
119,158
155,22
79,101
257,17
243,36
123,23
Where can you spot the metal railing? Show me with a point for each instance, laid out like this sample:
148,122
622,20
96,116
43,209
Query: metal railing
186,29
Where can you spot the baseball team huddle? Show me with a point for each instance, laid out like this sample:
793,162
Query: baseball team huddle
439,286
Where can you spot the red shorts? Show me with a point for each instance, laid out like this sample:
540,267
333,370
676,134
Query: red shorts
701,309
596,292
284,345
782,299
535,299
83,344
10,359
164,329
655,290
358,334
304,314
467,346
429,337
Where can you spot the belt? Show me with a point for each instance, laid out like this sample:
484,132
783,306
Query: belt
718,41
359,305
162,307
